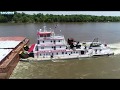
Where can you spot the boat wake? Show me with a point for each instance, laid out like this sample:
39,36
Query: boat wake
58,61
115,47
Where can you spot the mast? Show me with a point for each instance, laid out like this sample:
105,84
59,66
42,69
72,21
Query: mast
44,28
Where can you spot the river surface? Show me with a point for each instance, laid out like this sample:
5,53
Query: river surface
85,68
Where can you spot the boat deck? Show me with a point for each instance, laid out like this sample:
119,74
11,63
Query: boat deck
31,59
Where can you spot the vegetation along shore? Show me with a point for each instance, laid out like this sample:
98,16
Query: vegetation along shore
36,18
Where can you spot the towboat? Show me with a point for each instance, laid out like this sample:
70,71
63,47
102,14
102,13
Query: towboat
51,46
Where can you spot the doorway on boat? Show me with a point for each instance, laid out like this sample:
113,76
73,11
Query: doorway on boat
54,41
82,52
96,51
52,55
54,47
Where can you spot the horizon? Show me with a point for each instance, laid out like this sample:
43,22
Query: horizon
95,13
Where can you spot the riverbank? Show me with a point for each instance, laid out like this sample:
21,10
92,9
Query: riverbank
26,18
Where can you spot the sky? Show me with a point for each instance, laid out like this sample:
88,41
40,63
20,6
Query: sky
97,13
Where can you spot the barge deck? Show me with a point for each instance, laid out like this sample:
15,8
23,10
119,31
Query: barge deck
9,62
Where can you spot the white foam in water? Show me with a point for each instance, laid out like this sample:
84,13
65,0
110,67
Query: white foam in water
115,47
58,60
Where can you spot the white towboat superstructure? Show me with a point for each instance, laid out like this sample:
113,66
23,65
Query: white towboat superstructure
51,46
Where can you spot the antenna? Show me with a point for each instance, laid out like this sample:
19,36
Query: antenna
44,28
60,32
39,30
95,40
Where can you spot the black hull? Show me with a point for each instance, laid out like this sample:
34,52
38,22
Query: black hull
104,55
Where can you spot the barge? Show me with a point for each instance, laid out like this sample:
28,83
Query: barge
10,47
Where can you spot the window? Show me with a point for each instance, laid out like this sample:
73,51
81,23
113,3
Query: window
52,46
36,48
51,40
38,42
58,40
66,47
76,52
71,52
41,35
48,35
56,53
82,52
62,52
40,54
60,46
42,47
43,41
66,53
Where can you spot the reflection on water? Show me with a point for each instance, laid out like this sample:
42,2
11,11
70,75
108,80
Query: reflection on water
102,67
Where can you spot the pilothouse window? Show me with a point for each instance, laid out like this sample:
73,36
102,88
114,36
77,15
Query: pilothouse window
41,35
48,35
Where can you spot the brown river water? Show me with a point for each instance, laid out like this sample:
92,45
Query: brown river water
85,68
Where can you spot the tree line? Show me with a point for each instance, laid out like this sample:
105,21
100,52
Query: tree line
36,18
